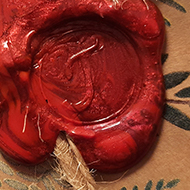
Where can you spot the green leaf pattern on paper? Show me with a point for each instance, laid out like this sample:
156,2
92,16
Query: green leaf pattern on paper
184,93
34,187
174,79
172,184
148,185
48,183
31,177
27,177
16,184
135,188
174,4
167,22
159,186
173,114
176,117
48,177
6,169
164,57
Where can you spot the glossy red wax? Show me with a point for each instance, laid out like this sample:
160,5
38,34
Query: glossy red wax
90,68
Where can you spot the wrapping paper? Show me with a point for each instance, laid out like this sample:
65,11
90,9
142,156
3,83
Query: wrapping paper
167,164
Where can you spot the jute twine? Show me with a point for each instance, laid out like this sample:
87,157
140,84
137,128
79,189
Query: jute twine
71,165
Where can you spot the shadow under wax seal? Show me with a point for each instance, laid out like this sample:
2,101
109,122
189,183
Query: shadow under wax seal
88,68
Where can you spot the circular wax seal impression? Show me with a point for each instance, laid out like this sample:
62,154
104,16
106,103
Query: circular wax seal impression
90,68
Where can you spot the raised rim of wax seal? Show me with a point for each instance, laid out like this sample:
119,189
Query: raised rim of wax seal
89,68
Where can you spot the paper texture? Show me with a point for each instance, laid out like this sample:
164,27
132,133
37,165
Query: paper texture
167,165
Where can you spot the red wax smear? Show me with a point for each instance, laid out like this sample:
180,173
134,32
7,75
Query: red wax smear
88,68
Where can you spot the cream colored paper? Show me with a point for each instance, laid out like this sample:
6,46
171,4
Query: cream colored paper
167,164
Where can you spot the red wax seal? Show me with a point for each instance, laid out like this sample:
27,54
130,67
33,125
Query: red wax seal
90,68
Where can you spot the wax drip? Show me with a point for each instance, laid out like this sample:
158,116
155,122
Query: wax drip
147,7
25,119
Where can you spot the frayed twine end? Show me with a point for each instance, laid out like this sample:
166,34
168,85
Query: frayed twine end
71,166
